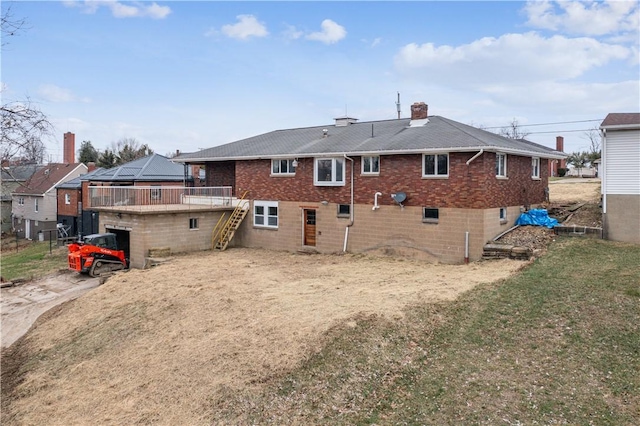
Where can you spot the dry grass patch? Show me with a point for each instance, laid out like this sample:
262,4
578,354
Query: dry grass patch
159,346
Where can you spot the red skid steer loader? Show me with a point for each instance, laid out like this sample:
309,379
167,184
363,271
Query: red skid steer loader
97,255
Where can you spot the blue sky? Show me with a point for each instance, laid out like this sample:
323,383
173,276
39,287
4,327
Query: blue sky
192,75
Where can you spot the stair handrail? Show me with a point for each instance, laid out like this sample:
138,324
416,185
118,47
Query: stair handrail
216,230
226,228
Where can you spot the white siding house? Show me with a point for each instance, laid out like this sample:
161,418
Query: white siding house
620,173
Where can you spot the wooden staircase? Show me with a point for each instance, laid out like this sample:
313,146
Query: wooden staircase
225,230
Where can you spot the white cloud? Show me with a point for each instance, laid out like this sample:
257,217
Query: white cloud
53,93
592,18
509,59
135,9
330,33
292,33
247,26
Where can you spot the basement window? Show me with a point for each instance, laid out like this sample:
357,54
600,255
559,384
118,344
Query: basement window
265,214
344,210
430,215
193,223
503,215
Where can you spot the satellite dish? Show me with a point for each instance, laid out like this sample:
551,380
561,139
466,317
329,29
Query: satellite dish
399,197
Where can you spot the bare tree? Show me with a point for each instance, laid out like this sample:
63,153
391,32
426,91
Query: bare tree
129,149
10,25
595,140
22,124
513,131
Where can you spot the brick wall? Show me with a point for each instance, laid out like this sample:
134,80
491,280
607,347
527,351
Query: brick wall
474,186
70,209
221,174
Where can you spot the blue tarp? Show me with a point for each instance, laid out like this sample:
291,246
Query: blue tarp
536,217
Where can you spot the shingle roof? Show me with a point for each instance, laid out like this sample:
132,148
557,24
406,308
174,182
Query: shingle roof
19,173
152,168
374,137
623,119
47,177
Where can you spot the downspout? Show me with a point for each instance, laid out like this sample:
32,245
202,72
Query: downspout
350,224
466,234
475,156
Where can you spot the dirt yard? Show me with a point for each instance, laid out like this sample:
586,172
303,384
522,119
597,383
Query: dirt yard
157,346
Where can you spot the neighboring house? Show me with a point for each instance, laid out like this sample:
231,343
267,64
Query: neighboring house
13,176
154,171
69,203
620,174
34,205
426,186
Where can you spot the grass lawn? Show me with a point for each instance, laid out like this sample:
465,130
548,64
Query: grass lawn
557,344
33,261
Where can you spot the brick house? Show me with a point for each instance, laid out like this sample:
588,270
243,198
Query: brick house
620,174
34,205
424,187
69,202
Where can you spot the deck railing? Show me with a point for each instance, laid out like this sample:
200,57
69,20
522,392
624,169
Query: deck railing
159,197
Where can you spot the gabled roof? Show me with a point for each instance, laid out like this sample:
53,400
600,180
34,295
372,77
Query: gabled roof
370,138
48,177
152,168
621,120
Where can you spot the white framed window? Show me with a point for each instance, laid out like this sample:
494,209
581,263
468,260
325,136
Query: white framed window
503,214
283,167
265,214
435,165
35,205
371,165
67,198
430,215
501,164
535,168
156,192
193,223
329,172
21,201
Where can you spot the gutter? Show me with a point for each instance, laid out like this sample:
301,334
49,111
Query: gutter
555,155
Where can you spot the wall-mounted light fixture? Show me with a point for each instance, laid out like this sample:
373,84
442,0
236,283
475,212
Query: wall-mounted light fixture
295,162
324,203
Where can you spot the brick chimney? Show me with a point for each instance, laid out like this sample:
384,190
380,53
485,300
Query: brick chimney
69,148
560,147
419,111
91,166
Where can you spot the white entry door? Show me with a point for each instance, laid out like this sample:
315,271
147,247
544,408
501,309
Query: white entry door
27,229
